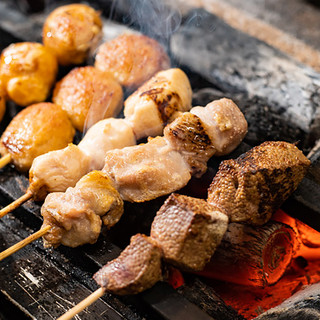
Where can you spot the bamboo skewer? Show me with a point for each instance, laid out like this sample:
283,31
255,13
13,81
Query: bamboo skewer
6,253
15,204
5,160
83,304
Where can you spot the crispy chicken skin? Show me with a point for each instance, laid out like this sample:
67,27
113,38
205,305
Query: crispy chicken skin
158,102
37,129
76,216
136,269
88,95
132,59
188,230
254,185
28,71
2,100
72,32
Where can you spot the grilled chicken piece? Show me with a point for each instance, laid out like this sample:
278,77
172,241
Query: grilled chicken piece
28,71
36,130
72,32
55,171
165,164
188,230
88,95
252,187
226,125
136,269
132,59
76,216
158,101
2,100
147,171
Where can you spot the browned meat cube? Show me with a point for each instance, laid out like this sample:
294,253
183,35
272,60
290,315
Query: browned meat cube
254,185
136,269
188,230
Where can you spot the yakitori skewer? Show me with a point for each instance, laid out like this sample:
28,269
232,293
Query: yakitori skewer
72,32
159,167
147,110
132,59
186,231
35,130
88,95
28,71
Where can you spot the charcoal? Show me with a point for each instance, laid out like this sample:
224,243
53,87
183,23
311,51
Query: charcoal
200,293
279,95
304,305
304,203
314,156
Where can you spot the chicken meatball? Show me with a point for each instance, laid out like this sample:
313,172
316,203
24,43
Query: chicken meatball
28,71
71,32
35,130
88,95
132,59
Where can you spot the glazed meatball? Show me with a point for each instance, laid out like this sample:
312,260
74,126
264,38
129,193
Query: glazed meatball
37,129
72,32
132,59
28,71
88,95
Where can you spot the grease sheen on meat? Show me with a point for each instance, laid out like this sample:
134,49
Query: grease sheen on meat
71,32
88,95
28,71
132,59
35,130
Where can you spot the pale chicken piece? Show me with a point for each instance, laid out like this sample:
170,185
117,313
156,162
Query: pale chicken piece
88,95
106,135
60,169
72,32
147,171
132,59
28,71
136,269
76,216
56,171
188,230
252,187
35,130
226,124
158,102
